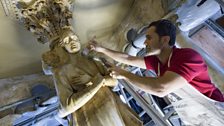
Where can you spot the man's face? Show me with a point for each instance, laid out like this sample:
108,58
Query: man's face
72,44
153,42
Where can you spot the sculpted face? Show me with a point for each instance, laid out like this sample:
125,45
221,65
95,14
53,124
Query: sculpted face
72,44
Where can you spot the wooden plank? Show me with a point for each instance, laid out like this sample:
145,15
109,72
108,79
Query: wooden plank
211,42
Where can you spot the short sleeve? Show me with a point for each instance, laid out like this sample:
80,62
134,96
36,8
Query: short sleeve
151,62
187,64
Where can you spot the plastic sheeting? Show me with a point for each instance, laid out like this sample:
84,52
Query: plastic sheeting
49,120
191,14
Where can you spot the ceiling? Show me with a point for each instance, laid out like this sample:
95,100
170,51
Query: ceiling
20,53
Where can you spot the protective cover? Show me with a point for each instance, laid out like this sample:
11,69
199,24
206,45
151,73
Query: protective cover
193,13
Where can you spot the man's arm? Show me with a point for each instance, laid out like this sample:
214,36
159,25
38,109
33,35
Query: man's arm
159,86
119,56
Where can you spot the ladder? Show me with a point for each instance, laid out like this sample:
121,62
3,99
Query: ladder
148,106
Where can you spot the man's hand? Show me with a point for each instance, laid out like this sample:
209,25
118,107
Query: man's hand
109,81
118,73
93,45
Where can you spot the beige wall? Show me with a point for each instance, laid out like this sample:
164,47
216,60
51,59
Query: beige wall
99,18
19,51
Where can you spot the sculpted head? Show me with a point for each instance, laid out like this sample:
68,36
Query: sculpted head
70,42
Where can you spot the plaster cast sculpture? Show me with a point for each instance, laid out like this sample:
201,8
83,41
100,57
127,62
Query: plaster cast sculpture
50,21
75,84
77,78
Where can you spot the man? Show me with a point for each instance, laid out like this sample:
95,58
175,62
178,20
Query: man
176,68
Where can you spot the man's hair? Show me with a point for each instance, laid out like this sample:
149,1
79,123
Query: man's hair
165,28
